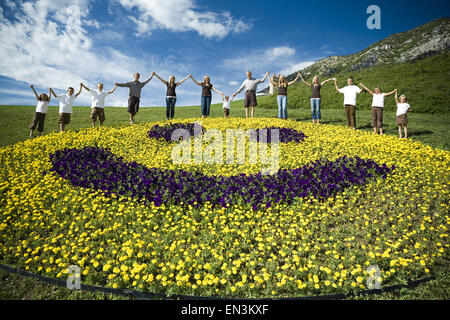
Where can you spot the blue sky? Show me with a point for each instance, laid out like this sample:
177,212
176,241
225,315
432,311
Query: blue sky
59,43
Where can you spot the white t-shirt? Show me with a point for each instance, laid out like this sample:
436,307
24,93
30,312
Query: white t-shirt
42,106
402,108
65,103
227,104
378,100
350,93
98,98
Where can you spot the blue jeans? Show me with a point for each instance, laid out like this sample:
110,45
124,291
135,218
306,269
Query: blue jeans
206,105
315,108
282,107
170,107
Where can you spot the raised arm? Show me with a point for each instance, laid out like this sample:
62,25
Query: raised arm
195,81
113,89
82,85
326,81
217,91
264,79
396,97
294,81
273,83
148,80
335,84
183,80
35,93
303,80
49,94
389,93
53,92
239,90
79,91
367,89
127,84
161,79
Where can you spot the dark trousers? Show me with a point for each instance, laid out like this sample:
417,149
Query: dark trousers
350,111
170,107
206,105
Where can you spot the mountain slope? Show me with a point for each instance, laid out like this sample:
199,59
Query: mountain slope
423,41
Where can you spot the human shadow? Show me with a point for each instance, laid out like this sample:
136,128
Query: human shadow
419,133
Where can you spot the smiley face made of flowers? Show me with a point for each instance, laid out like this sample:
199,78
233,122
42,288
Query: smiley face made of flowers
114,203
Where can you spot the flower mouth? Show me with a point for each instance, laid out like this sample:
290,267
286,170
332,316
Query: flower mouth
98,168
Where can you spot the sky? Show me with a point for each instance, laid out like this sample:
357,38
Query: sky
60,43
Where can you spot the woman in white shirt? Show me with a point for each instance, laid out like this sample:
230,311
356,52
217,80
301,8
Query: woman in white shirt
41,111
402,118
377,107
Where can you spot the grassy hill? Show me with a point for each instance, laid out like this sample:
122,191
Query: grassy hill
425,82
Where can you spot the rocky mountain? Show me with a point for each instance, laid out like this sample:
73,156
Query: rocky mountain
418,43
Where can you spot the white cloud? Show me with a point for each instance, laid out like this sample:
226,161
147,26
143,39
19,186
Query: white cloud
181,16
46,44
279,52
294,67
277,59
234,83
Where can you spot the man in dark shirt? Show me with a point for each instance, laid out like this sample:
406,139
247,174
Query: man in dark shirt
135,94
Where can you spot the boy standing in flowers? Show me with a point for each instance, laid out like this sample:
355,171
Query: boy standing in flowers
377,107
350,92
135,93
65,106
402,118
41,110
98,102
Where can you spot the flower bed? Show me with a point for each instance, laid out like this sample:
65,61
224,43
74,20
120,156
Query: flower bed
300,245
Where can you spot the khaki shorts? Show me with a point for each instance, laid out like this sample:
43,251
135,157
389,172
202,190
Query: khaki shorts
402,119
377,117
64,118
250,99
98,112
226,112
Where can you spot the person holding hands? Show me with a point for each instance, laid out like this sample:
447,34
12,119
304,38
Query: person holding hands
402,114
65,106
135,87
350,92
206,94
282,94
250,85
98,102
377,107
41,111
171,96
316,99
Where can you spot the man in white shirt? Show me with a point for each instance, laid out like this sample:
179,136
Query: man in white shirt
350,92
250,85
98,103
65,106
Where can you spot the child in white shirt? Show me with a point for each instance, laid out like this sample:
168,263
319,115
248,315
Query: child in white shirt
377,107
65,106
226,106
402,118
41,111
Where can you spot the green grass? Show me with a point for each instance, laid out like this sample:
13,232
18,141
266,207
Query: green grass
431,129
